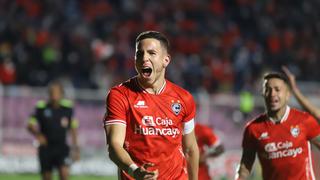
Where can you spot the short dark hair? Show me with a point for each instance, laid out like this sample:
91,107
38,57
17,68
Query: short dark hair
277,75
154,35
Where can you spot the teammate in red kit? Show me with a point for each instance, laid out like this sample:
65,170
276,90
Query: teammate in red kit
209,146
149,121
280,137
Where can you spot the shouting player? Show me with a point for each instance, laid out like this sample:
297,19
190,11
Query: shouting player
280,137
149,121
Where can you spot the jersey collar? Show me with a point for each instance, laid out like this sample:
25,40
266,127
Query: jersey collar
284,117
161,90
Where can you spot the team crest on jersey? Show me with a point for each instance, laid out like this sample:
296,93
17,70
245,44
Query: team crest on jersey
295,131
176,107
64,122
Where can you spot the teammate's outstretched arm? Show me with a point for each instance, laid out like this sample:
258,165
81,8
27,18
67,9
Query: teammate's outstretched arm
191,150
247,160
115,135
303,100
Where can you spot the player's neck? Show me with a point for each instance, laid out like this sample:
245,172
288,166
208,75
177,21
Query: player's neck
55,103
154,88
277,116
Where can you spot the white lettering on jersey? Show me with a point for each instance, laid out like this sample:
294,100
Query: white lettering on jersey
156,126
281,149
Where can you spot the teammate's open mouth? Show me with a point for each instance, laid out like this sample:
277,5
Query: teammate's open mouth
146,71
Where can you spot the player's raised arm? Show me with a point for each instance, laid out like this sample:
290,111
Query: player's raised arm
303,100
191,150
247,160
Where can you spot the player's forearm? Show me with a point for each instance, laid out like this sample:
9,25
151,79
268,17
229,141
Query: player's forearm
193,162
120,157
306,104
74,138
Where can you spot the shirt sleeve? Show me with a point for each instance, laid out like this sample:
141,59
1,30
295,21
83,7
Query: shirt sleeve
190,109
312,127
248,141
34,117
116,108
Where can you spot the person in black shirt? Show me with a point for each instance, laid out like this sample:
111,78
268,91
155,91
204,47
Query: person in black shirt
50,124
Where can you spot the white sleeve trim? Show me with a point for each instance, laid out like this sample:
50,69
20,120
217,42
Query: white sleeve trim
115,121
188,126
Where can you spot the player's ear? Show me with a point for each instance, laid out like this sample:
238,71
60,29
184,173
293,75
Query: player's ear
167,60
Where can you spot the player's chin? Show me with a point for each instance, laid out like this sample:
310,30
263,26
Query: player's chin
274,108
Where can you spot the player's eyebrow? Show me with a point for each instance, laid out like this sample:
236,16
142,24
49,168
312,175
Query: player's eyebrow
152,51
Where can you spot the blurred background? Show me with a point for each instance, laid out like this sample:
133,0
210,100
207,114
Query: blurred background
220,50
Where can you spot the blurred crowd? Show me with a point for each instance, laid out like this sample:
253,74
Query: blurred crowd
216,45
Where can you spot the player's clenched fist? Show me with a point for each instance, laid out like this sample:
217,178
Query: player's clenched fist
143,173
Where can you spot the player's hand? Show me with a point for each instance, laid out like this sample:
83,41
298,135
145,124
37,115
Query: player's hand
42,140
143,174
291,77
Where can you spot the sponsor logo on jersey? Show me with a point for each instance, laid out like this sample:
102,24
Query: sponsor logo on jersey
278,150
295,131
148,121
263,136
176,107
156,126
140,104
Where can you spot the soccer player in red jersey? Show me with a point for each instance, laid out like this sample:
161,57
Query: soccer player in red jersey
209,146
149,121
280,137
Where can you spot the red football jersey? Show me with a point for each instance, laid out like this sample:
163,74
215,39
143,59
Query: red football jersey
206,138
283,148
154,125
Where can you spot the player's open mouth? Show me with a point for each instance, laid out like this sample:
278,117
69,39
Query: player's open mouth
146,71
273,102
